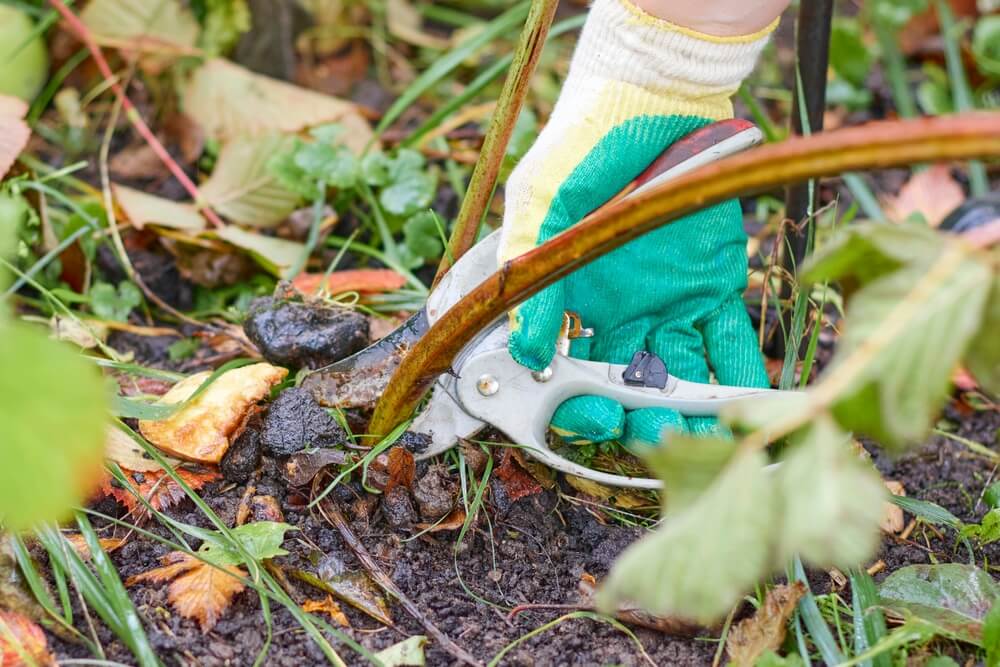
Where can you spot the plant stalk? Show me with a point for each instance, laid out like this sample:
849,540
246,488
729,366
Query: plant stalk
484,176
875,145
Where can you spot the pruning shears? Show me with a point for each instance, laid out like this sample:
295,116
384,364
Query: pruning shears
486,387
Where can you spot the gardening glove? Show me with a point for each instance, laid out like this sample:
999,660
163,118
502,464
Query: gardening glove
636,84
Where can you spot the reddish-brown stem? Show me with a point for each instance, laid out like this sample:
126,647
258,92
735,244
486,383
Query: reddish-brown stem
875,145
83,34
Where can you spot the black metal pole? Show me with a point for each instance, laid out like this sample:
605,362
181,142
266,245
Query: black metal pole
812,56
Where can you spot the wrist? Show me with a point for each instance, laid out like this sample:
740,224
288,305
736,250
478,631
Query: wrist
718,18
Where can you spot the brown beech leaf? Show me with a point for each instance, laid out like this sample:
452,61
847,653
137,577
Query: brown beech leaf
329,607
765,630
517,482
931,193
453,521
22,642
159,489
197,590
401,467
14,132
201,431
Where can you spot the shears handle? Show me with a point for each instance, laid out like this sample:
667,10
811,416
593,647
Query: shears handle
520,403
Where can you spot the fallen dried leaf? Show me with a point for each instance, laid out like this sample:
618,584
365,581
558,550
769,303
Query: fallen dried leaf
159,489
401,469
165,26
143,209
327,606
198,590
74,331
622,498
274,254
14,132
229,101
931,193
22,642
266,508
765,630
517,482
668,625
453,521
365,281
302,467
892,519
137,161
354,588
407,653
127,453
81,547
242,187
202,429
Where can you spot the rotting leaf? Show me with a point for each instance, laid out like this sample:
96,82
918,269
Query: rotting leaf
353,588
14,132
953,597
673,626
22,642
242,187
517,482
401,469
229,101
127,453
79,544
202,430
301,467
197,590
930,195
159,489
453,521
145,209
765,630
329,607
407,653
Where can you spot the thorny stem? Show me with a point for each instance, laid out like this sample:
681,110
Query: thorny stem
83,34
874,145
484,176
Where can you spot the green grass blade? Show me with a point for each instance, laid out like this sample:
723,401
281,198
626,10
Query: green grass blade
961,93
869,622
864,196
928,511
819,631
445,64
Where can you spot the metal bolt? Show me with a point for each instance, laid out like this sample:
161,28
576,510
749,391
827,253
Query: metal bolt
543,375
487,385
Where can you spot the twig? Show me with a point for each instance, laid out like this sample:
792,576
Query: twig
484,177
83,34
334,516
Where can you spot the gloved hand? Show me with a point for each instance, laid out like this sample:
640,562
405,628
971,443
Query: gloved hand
636,85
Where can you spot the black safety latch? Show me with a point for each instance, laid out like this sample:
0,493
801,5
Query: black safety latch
646,370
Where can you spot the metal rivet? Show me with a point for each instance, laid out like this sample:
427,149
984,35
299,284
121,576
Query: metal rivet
543,375
487,385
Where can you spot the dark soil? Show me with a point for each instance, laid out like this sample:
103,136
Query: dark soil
532,552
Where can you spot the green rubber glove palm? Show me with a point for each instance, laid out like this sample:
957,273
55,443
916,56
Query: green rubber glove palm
636,85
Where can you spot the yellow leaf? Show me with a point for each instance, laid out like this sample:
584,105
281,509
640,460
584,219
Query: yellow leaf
229,101
127,453
327,606
201,430
145,209
22,642
161,26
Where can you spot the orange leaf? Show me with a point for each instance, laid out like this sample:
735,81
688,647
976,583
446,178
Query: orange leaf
517,481
327,606
366,281
198,590
159,490
22,642
931,193
453,521
401,468
14,132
